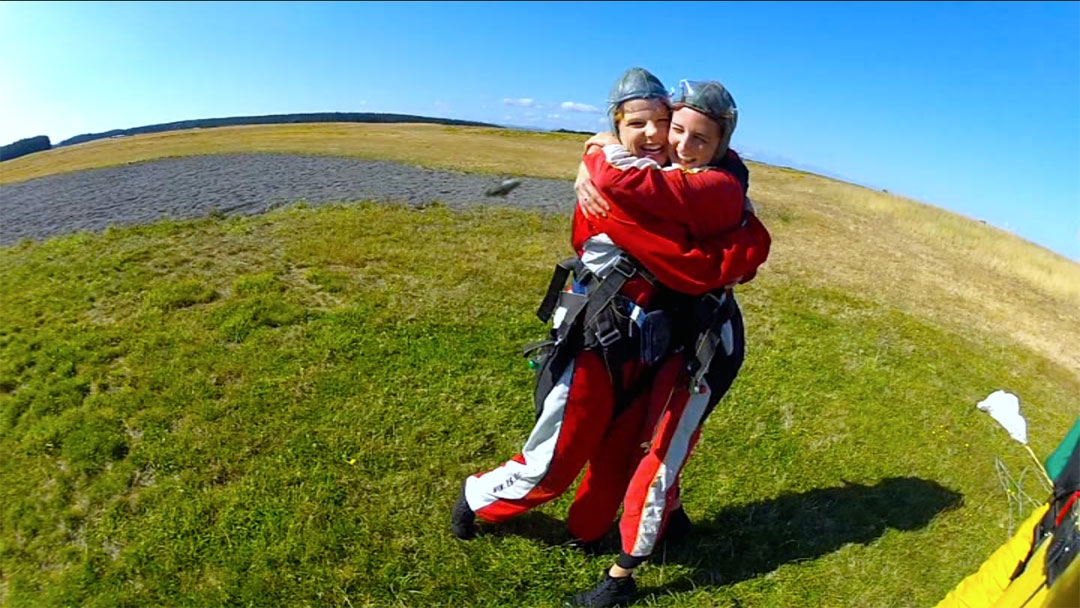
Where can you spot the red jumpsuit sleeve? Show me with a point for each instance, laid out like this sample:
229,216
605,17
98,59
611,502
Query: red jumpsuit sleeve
580,230
637,189
707,202
689,267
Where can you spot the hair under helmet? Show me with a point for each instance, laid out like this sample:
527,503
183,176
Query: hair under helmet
635,83
713,100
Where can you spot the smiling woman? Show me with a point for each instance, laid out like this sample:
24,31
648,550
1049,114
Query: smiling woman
702,123
642,125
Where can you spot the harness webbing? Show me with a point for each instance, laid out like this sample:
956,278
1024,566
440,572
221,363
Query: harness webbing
713,312
558,281
589,323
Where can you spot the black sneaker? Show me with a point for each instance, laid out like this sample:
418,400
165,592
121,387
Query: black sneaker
462,518
677,528
610,592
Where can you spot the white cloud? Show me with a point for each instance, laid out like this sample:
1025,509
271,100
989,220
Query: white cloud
573,106
553,116
521,102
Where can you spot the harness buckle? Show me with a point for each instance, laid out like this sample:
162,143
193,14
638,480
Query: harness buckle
608,338
625,267
713,309
717,302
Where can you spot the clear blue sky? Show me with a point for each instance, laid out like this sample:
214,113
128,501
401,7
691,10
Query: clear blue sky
970,106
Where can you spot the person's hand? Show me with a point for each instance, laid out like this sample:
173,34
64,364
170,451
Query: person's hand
588,196
601,139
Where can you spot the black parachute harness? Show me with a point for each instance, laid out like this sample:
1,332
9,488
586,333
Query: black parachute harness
711,312
600,320
596,320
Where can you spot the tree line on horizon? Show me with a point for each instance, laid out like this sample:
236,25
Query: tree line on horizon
25,146
41,143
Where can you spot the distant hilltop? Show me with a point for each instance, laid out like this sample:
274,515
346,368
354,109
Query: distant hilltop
41,142
274,119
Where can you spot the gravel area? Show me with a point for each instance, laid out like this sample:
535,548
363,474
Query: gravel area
185,188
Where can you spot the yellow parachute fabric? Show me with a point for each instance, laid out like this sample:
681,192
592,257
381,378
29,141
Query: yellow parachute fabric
991,586
984,588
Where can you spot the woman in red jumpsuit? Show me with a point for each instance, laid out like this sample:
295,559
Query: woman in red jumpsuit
685,233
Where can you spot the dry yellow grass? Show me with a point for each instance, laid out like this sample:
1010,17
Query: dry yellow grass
914,257
485,150
922,259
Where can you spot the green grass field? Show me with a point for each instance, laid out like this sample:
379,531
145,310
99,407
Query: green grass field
279,410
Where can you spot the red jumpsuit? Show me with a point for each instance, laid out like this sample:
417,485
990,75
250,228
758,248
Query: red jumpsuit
696,246
688,229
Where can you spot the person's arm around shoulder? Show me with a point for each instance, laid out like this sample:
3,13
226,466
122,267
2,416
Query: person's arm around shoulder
634,184
590,201
696,267
713,198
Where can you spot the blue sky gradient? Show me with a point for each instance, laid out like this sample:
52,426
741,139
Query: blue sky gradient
969,106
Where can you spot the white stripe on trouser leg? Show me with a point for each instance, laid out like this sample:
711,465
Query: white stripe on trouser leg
656,498
515,480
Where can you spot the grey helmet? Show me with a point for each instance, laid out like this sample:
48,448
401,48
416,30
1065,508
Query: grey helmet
713,100
635,83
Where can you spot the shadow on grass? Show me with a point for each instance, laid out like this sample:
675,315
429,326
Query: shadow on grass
532,524
752,540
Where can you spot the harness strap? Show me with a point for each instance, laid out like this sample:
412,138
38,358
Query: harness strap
599,299
595,302
712,312
596,328
558,281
